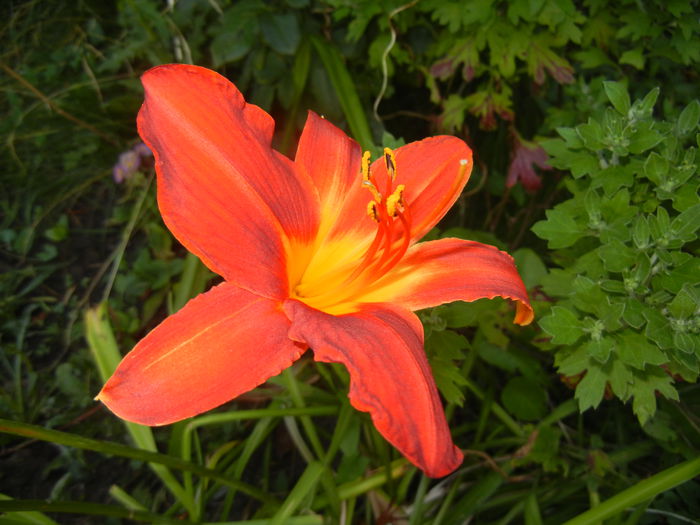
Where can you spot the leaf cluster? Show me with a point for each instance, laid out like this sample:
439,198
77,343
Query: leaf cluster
627,321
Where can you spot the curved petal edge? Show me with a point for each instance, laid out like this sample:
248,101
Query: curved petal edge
382,348
221,344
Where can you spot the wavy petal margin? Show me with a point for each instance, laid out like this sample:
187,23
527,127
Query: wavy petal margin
438,272
221,344
382,348
222,190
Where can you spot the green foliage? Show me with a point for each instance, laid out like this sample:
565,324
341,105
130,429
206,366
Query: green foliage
388,71
629,283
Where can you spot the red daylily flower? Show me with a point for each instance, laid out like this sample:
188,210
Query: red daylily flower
307,263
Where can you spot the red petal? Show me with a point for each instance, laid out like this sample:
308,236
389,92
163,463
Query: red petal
434,177
332,161
220,345
223,191
382,347
447,270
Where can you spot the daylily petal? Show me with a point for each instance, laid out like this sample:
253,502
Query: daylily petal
222,190
447,270
382,348
219,345
432,172
332,161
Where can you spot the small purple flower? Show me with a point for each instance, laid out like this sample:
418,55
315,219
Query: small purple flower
130,161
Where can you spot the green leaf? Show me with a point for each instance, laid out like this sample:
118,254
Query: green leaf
688,119
686,224
600,349
656,168
281,32
563,325
530,266
617,256
590,390
618,96
633,57
346,91
525,399
620,378
560,229
644,389
685,303
633,313
574,363
658,328
592,135
635,350
644,138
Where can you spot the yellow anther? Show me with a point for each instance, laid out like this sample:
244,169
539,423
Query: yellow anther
364,166
390,160
373,211
394,200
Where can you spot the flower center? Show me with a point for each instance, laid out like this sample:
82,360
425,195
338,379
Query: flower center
389,209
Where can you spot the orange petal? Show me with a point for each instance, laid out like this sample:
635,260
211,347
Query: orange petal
447,270
222,190
382,348
218,346
332,161
433,174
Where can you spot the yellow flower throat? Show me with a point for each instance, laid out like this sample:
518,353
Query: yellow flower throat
339,273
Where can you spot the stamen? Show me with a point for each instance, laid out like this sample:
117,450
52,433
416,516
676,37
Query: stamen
373,189
364,166
390,160
373,211
394,200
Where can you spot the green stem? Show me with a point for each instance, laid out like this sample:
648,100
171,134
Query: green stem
306,422
497,410
306,484
642,491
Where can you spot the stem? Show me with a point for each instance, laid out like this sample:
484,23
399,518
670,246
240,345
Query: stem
644,490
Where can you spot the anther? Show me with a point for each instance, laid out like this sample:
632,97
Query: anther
394,200
364,166
373,211
390,160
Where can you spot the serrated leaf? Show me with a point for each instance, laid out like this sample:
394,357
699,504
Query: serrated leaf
644,390
590,390
560,229
600,349
633,57
685,303
620,378
689,117
563,325
636,351
618,96
686,343
633,313
616,256
447,344
574,363
591,134
658,328
644,138
656,167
